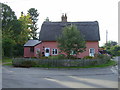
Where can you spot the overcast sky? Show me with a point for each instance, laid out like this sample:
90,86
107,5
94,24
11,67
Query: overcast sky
103,11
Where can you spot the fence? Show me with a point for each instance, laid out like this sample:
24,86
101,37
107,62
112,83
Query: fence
58,62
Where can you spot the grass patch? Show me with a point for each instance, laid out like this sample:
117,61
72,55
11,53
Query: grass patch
5,60
8,64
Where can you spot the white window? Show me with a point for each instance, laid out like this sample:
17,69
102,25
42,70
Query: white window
72,52
54,51
91,52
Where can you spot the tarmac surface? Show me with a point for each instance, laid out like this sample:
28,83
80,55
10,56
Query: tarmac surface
59,78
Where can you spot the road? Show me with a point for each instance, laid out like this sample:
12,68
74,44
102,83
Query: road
59,78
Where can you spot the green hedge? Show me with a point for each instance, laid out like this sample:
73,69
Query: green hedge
24,62
56,62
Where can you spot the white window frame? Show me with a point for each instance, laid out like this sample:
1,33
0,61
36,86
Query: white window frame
72,53
54,49
91,54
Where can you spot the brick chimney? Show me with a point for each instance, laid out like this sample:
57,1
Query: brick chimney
64,18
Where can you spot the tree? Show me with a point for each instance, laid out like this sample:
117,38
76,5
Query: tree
110,44
34,15
7,16
115,50
71,40
26,24
107,46
14,32
24,35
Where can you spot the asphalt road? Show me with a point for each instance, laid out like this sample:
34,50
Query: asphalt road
59,78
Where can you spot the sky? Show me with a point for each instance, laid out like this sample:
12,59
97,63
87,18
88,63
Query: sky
103,11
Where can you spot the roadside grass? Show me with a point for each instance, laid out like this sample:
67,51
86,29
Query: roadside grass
7,61
0,61
7,64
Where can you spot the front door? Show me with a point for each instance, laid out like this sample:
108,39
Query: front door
47,52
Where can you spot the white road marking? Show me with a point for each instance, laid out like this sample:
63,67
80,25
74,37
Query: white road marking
114,70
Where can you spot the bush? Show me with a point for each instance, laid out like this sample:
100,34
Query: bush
103,58
88,57
61,56
24,62
72,57
28,63
43,57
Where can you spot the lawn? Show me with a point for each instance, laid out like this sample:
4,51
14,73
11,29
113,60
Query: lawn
7,60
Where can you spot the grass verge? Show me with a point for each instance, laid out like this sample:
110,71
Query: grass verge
7,61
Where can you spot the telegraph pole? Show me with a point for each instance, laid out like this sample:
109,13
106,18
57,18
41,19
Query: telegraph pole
106,36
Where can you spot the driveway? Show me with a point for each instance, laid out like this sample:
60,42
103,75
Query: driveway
59,78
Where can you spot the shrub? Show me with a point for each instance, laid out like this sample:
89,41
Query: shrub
28,63
88,57
24,62
103,58
33,57
61,56
72,57
43,57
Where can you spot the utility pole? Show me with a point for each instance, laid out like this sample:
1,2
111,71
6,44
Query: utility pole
106,36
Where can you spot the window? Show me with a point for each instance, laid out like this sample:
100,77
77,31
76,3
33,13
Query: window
54,51
91,52
31,49
47,50
37,50
72,52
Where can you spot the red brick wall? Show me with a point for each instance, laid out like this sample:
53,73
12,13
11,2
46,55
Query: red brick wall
89,45
27,52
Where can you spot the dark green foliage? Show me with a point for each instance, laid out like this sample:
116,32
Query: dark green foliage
110,44
61,56
21,62
7,16
103,58
43,57
63,63
71,40
88,57
28,63
34,17
15,32
18,50
55,62
112,48
115,50
7,45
